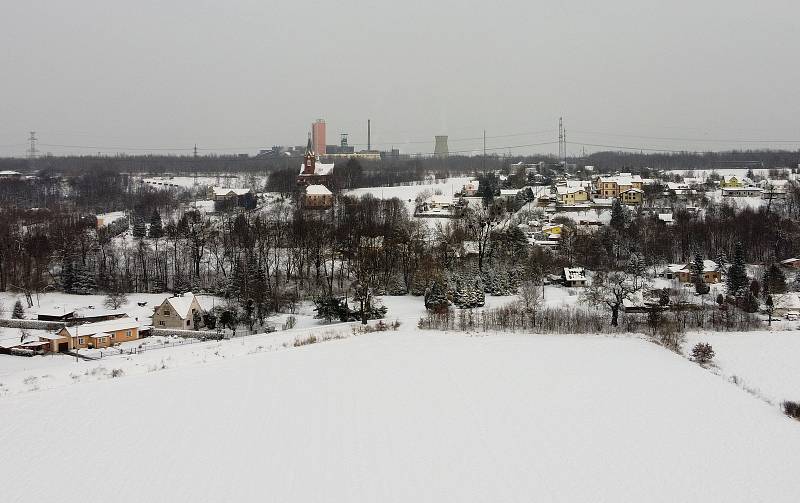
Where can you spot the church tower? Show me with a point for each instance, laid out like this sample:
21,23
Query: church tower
309,160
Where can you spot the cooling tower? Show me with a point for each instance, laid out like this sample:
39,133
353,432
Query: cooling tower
441,150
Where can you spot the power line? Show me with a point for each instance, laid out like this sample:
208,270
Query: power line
697,140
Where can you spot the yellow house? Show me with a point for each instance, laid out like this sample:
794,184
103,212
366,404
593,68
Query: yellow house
571,195
94,335
731,181
631,196
552,228
613,186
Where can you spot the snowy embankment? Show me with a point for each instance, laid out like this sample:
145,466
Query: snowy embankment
764,363
407,416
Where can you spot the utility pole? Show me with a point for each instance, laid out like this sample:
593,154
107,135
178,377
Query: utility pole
484,152
32,151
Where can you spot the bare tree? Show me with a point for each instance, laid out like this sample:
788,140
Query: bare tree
611,290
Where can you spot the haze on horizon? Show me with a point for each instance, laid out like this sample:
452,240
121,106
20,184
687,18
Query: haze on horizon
236,76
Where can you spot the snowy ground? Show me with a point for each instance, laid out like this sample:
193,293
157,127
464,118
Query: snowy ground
766,363
406,416
407,193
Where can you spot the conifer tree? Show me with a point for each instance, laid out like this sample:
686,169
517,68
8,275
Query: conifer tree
617,215
480,292
773,281
737,281
19,312
156,226
139,230
436,297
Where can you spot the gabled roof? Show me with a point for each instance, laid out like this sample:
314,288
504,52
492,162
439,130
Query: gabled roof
790,260
564,190
224,191
182,305
708,266
318,190
320,169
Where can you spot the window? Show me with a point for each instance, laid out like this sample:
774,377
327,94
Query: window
166,312
161,323
128,333
112,336
80,340
187,323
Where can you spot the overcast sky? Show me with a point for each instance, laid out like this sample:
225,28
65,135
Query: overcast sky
238,75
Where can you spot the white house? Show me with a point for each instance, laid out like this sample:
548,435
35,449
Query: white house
177,312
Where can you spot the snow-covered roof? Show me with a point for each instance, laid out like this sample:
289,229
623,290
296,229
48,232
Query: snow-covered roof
509,192
634,190
320,169
665,217
182,304
51,337
318,190
622,179
225,191
100,335
103,326
107,218
563,190
677,186
673,268
708,266
790,260
8,172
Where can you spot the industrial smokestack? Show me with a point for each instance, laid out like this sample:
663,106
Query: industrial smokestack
369,136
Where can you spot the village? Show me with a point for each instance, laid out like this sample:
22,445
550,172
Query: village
542,206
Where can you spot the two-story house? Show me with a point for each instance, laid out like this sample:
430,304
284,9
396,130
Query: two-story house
178,312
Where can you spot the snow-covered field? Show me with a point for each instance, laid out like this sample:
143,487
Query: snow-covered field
765,363
405,416
407,193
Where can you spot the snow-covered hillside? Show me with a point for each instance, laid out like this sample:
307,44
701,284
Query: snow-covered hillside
405,416
763,362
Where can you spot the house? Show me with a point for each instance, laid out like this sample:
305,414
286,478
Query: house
612,186
711,273
791,263
671,271
509,193
80,316
470,189
575,277
318,197
93,335
178,312
667,218
553,230
105,219
741,191
227,198
571,194
631,196
731,181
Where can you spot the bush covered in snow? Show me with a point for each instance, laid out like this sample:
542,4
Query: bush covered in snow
702,353
792,409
